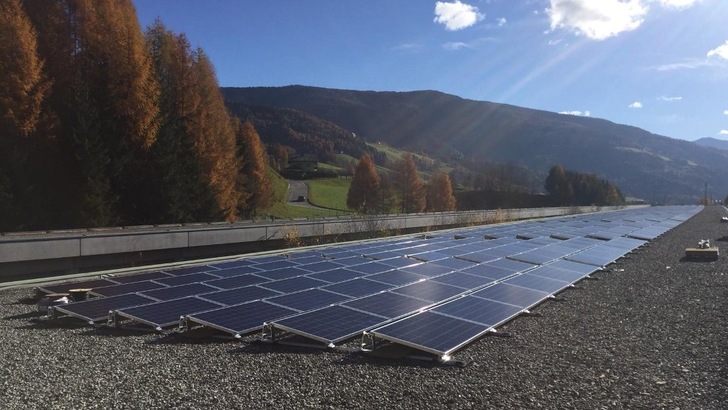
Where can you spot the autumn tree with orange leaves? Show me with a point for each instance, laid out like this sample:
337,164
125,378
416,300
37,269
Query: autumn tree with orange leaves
439,193
255,185
363,195
410,185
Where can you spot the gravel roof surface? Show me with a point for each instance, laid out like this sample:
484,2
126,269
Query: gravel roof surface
651,333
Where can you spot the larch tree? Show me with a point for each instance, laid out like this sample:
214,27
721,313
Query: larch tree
255,190
177,192
439,193
363,194
410,185
215,138
23,88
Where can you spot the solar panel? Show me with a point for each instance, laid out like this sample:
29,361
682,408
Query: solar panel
463,280
96,310
432,332
240,319
138,277
329,325
483,311
427,269
185,279
539,283
308,299
396,277
189,269
126,288
358,287
239,295
598,255
320,266
387,304
574,266
371,268
429,291
233,264
293,284
229,272
553,272
283,273
237,281
336,275
490,273
512,295
176,292
164,314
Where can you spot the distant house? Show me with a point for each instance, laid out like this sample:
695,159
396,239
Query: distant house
302,164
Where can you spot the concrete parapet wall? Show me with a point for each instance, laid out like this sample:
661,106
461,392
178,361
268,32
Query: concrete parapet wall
61,250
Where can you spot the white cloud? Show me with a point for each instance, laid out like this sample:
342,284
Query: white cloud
723,132
598,20
670,99
577,113
720,51
636,104
409,47
688,64
456,16
454,46
679,4
725,112
502,22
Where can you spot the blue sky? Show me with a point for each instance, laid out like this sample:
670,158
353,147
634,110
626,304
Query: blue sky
661,65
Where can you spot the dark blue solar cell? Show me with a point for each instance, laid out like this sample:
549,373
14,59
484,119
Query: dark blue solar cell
513,295
189,269
167,313
384,255
463,280
481,256
551,272
320,266
428,269
488,272
127,288
293,284
85,284
239,295
358,287
574,266
283,273
400,262
486,312
331,324
236,271
350,261
175,292
454,263
308,299
598,256
241,319
371,268
432,332
185,279
279,264
396,277
139,277
514,266
305,260
232,264
625,243
95,310
429,290
539,283
429,256
237,281
267,259
388,304
336,275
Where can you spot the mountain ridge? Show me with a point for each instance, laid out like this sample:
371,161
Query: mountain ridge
645,165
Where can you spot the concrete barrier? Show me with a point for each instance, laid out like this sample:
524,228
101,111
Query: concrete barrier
72,251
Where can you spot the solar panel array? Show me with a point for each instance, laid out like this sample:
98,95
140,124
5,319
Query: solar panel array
435,292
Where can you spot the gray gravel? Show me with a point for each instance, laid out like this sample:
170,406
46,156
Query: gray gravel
650,334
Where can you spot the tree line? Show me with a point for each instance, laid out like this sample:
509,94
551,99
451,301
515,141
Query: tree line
403,190
572,188
103,124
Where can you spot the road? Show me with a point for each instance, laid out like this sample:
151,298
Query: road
297,189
